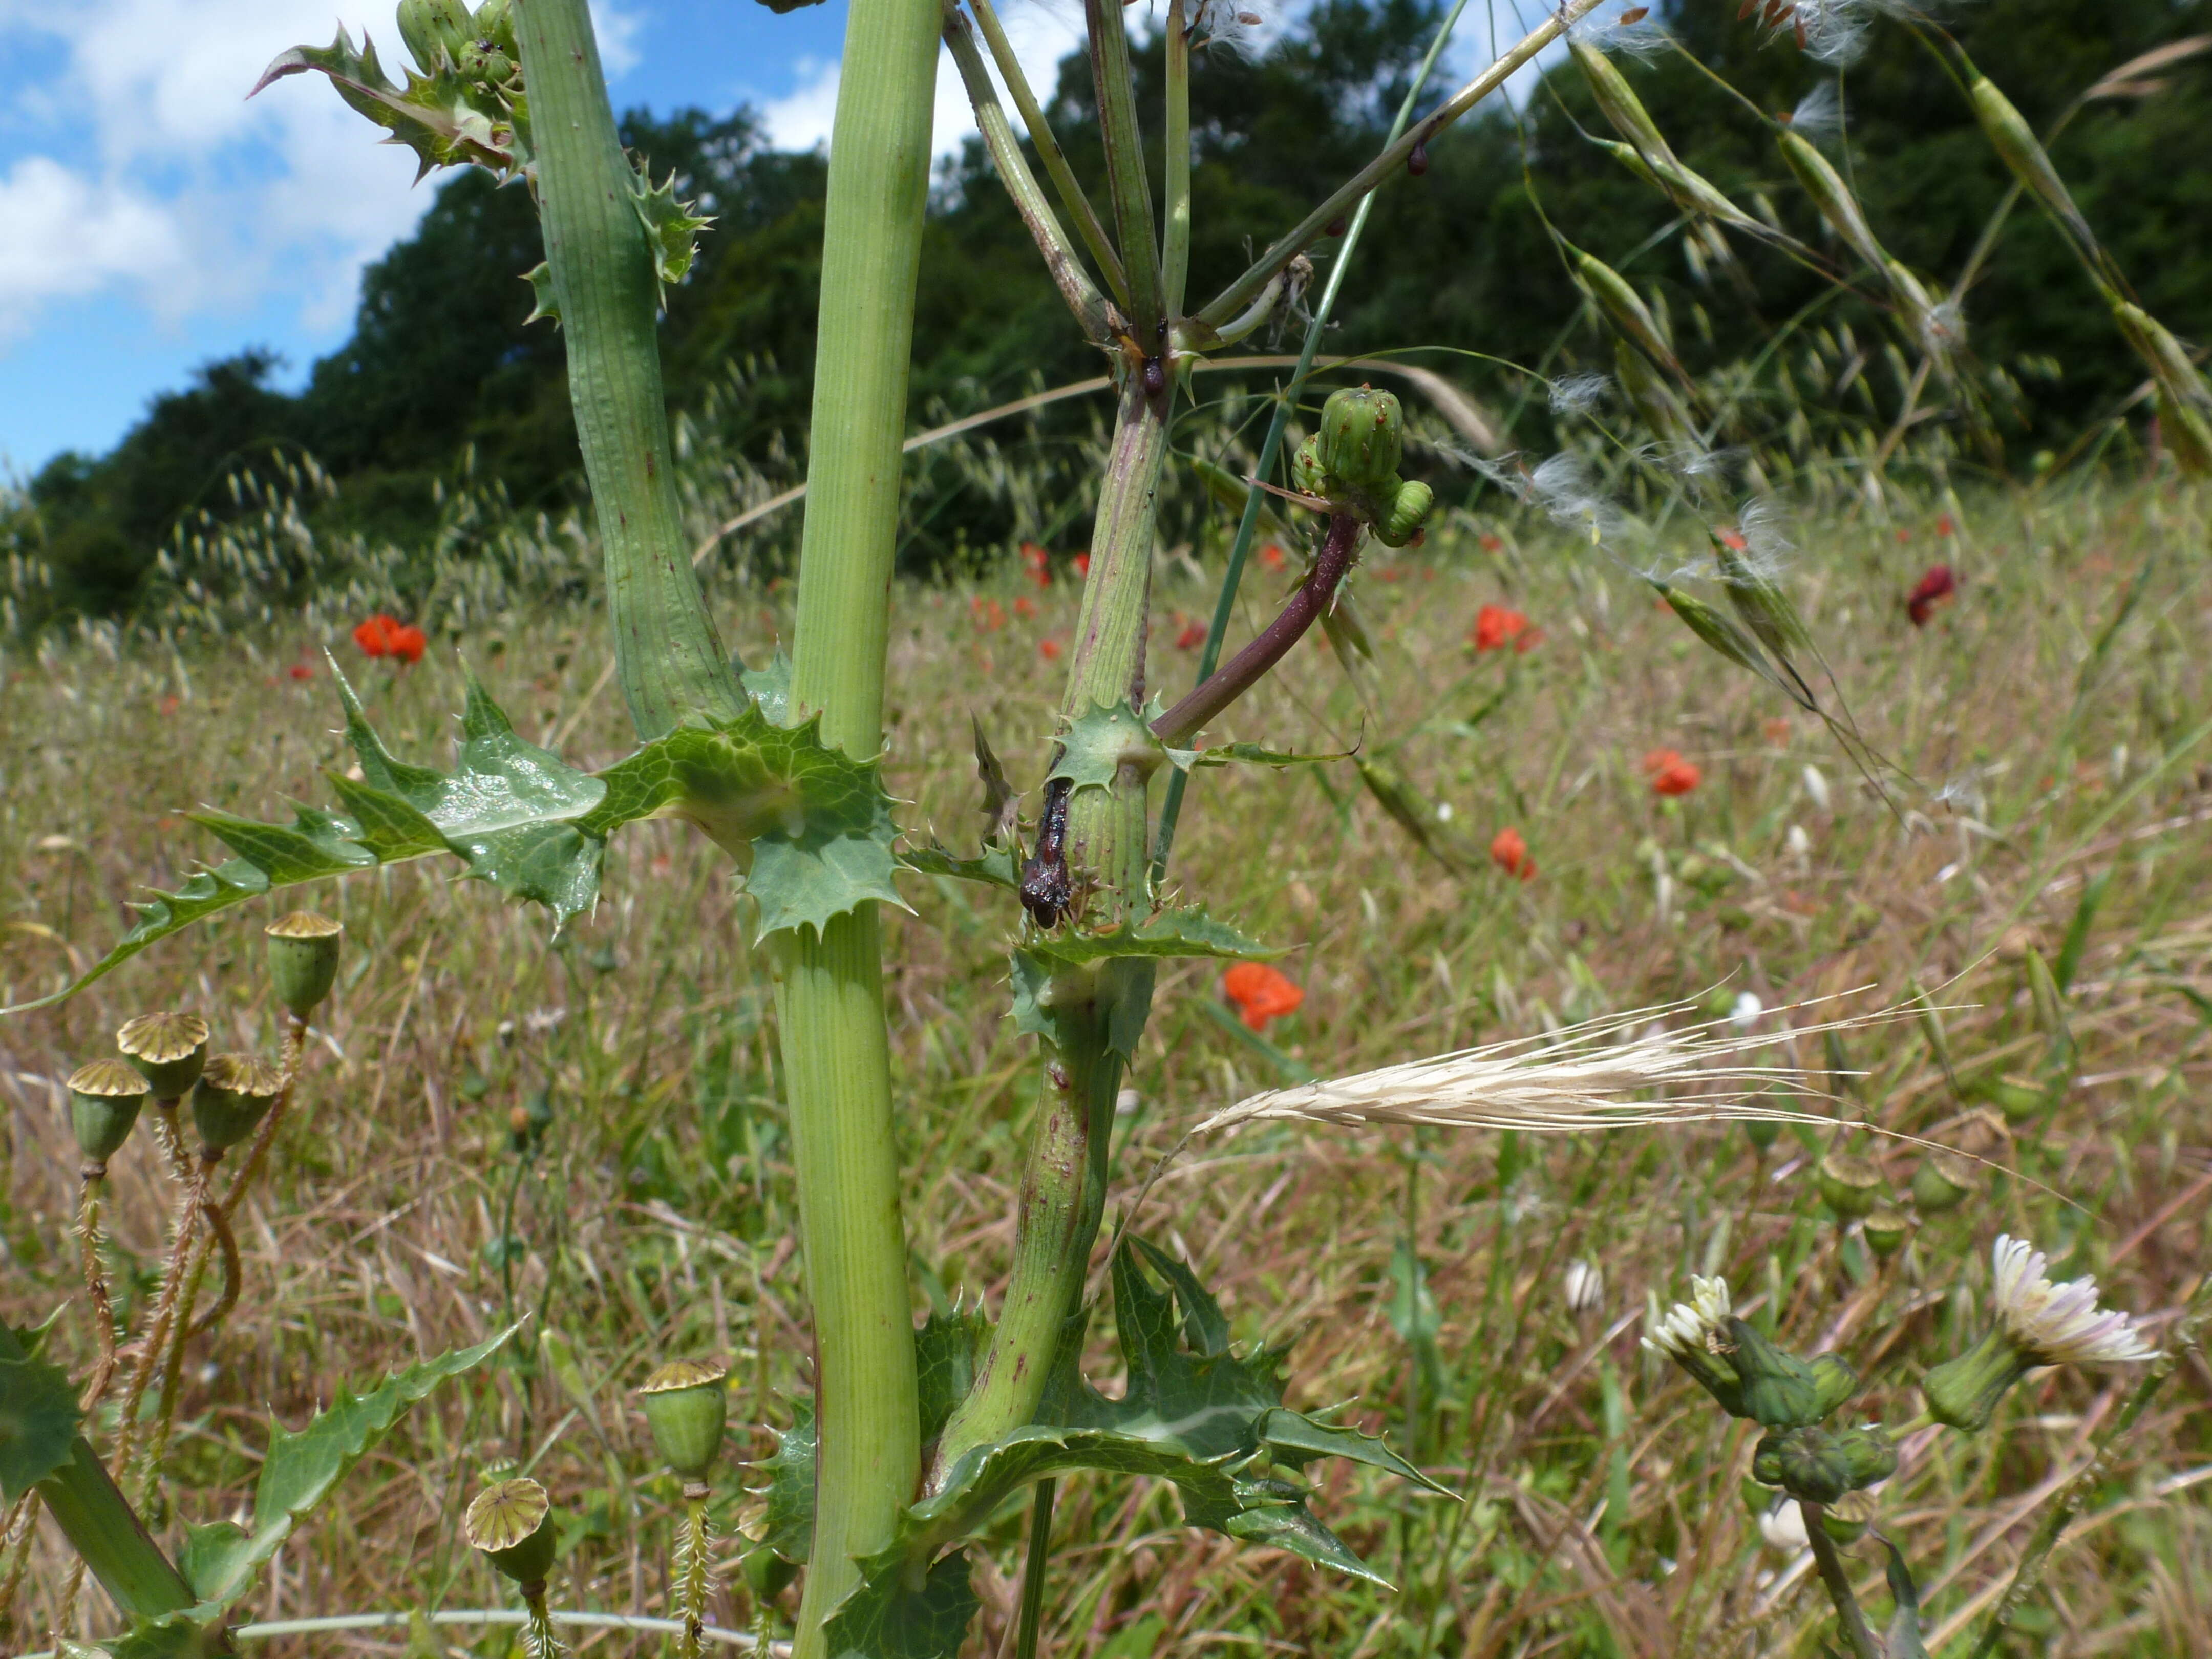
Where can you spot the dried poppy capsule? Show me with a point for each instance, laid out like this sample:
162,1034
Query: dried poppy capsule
104,1100
234,1093
685,1406
511,1522
169,1050
303,959
1851,1185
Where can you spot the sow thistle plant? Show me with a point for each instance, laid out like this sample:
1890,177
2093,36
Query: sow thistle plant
916,1438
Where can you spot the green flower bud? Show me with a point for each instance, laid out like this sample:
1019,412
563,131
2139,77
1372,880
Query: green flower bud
767,1574
1779,1389
1307,476
512,1523
1887,1230
1813,1465
303,959
234,1093
685,1406
1761,1134
436,32
1360,438
1942,1181
104,1100
494,24
1964,1392
169,1050
1833,1381
1766,1460
1409,507
1868,1456
1851,1185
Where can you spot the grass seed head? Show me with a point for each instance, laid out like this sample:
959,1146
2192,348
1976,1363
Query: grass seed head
167,1048
303,959
104,1100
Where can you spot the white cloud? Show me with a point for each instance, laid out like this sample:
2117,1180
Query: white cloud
175,191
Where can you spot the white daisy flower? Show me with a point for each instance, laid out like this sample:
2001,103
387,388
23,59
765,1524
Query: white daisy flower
1691,1328
2058,1324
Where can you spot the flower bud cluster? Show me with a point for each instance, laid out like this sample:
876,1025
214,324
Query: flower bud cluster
1351,463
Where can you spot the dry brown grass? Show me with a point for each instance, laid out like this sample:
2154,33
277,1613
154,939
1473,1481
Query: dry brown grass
659,1219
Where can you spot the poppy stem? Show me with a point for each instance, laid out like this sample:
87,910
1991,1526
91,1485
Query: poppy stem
1243,671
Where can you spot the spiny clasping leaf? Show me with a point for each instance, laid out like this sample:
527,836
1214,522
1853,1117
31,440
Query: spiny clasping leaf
447,117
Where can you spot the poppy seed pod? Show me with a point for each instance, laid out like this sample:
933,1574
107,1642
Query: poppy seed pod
511,1522
1852,1186
104,1100
234,1094
685,1406
1360,439
1942,1183
303,959
1887,1230
167,1049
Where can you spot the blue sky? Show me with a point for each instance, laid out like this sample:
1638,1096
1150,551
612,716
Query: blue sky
152,220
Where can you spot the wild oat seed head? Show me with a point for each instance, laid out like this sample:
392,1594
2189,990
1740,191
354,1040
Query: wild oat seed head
2058,1324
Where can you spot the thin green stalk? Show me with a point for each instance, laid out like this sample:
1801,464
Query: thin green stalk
1175,242
1099,319
1837,1583
1128,183
829,993
2068,1502
1286,247
1033,1570
1271,448
1073,196
605,283
103,1529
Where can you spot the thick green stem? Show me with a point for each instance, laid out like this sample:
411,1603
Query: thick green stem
1063,1196
1175,239
103,1529
672,664
1837,1583
829,997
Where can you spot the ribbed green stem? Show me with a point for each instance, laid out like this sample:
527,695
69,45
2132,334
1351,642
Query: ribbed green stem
1072,194
1175,237
1127,180
672,663
103,1529
1849,1616
1063,1195
830,1000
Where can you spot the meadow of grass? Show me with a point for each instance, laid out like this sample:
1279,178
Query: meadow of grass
2059,711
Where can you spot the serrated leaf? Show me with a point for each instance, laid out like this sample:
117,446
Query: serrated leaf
786,1523
1188,932
1205,1327
177,1637
447,119
1248,754
770,687
884,1619
671,231
39,1419
947,1350
1096,745
1298,1440
1273,1513
299,1471
1001,807
995,867
544,303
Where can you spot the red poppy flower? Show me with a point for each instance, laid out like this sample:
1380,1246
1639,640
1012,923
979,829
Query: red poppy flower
299,671
987,614
1945,527
1048,649
1083,564
1732,540
1490,544
1495,628
1779,732
1261,992
1192,635
373,636
1036,562
1509,852
407,643
1025,608
1670,773
1938,587
1273,556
